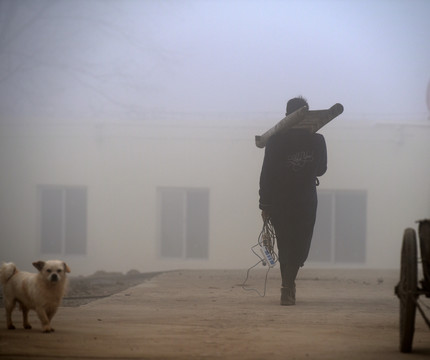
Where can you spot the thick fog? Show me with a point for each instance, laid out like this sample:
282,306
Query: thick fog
84,83
68,60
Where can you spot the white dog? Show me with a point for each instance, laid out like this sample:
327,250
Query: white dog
41,292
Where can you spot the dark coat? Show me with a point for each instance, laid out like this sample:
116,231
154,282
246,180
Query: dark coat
292,162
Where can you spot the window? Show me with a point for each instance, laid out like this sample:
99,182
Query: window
63,220
340,228
184,223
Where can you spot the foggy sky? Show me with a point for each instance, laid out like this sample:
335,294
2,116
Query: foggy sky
118,60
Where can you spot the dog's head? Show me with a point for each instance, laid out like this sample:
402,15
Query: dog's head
52,270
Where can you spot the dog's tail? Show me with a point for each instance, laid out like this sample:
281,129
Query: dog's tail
7,270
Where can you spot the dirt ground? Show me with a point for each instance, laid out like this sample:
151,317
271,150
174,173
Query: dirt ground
206,314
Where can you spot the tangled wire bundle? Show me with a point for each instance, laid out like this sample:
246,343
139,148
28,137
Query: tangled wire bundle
266,240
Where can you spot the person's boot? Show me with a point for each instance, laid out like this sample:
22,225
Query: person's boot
288,290
288,296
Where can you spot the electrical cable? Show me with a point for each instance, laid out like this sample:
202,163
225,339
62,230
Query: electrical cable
266,243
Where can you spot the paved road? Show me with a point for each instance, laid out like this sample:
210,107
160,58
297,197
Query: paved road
207,315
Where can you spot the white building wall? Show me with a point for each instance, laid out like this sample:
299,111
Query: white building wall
390,161
122,166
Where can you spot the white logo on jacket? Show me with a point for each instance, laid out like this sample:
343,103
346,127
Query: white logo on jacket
298,160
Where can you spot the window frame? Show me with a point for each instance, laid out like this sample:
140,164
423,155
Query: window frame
186,230
334,225
63,245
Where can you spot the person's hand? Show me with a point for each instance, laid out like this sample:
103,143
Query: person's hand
265,215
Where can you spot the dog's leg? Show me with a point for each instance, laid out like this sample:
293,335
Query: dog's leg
46,324
50,313
25,317
9,306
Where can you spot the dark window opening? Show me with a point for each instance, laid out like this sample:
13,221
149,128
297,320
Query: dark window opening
184,223
63,220
340,228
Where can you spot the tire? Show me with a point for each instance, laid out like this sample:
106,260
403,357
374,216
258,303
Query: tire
408,289
424,240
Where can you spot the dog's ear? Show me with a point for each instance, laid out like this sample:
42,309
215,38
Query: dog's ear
66,268
39,265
